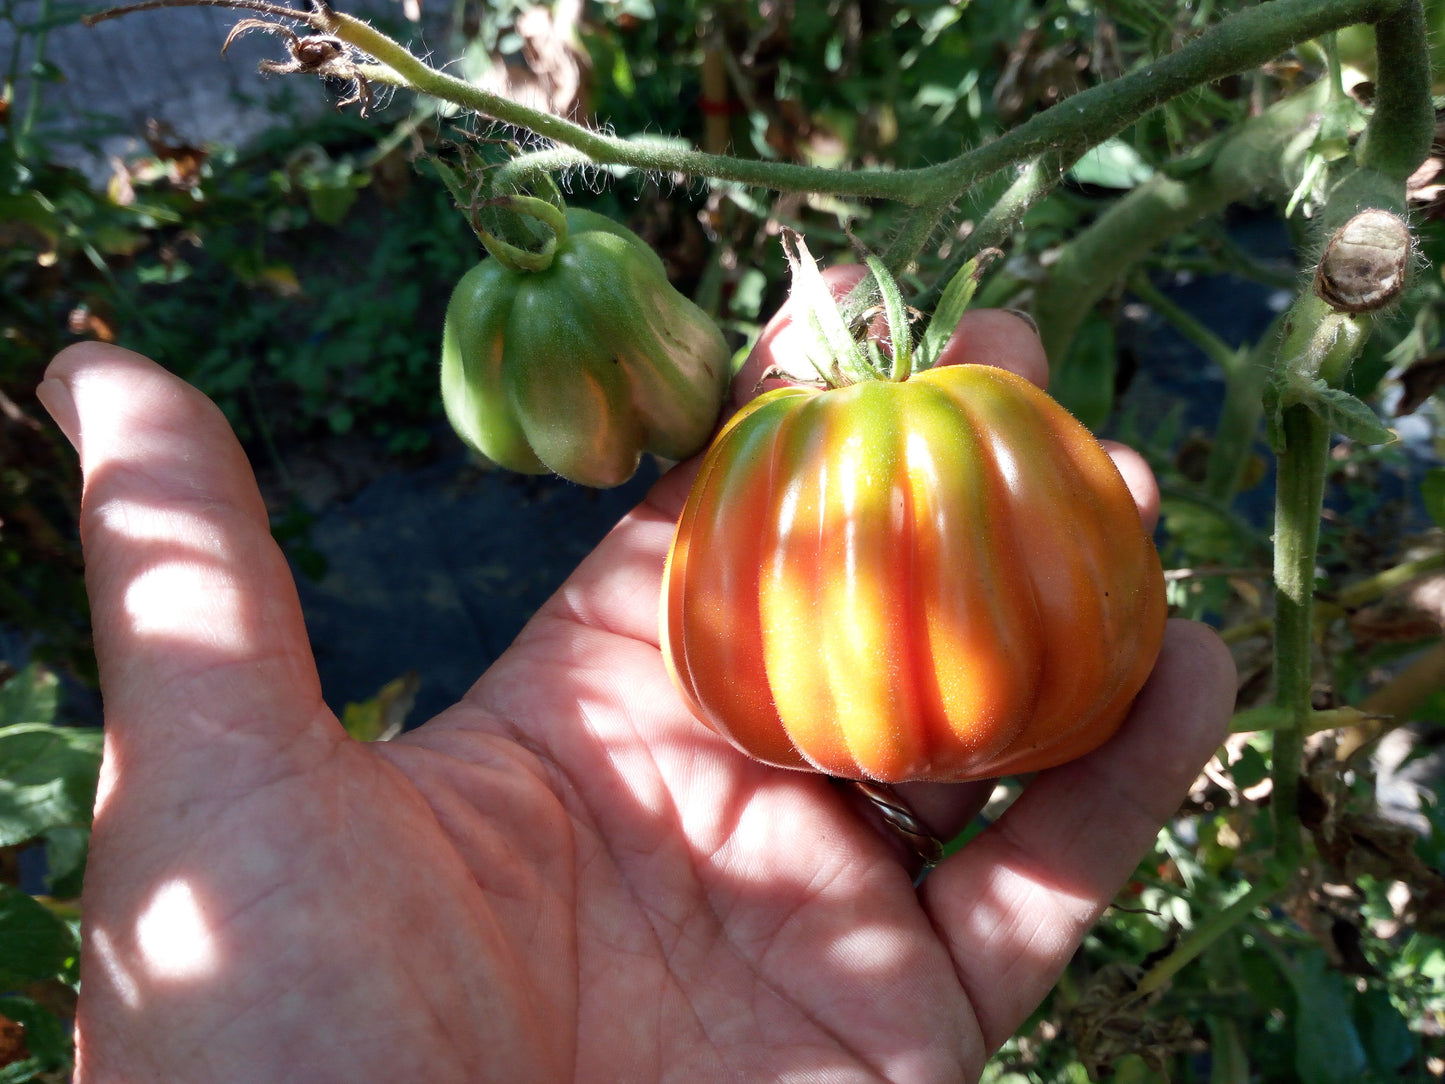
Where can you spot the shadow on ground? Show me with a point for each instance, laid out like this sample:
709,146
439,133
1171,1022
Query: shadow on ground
435,570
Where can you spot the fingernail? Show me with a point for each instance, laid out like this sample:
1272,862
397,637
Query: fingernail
54,396
1026,318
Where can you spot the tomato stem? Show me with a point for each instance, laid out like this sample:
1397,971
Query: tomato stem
1244,40
514,257
1245,370
1299,501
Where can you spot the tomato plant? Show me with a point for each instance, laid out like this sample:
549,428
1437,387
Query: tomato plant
942,577
1283,930
580,365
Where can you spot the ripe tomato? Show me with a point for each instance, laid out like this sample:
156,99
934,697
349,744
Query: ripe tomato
940,578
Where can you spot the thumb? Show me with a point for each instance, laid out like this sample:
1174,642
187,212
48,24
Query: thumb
198,631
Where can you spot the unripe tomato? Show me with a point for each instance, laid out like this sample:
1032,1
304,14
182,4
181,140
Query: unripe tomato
942,578
581,367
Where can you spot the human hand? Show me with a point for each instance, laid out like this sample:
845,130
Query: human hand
562,877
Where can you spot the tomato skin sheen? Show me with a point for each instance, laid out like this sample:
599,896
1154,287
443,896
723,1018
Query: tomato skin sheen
943,578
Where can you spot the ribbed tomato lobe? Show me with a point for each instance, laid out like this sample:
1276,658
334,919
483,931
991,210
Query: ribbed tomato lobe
941,578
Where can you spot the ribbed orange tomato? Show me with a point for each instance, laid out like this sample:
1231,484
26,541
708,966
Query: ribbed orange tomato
938,578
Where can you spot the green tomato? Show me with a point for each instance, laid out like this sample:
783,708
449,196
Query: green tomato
581,367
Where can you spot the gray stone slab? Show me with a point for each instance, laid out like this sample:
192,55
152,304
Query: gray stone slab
165,65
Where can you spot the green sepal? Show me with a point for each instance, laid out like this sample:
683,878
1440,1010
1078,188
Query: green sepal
950,309
901,366
832,350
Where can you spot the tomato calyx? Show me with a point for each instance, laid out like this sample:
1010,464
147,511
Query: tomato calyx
834,351
522,232
844,351
515,257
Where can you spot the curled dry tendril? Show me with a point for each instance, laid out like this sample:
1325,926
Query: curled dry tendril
321,53
314,54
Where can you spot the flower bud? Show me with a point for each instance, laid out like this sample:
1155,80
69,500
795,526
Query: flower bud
1365,264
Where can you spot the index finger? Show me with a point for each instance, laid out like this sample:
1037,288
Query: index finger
198,631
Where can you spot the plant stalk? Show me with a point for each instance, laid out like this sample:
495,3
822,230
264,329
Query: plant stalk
1243,41
1205,934
1298,505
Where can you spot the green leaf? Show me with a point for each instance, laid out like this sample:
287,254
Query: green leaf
1348,416
1432,493
1084,383
65,853
47,779
383,716
622,74
749,292
1250,768
1387,1034
950,309
30,696
34,944
1112,164
1342,412
1328,1049
330,204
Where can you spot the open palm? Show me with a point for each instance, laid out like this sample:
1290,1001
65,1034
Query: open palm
564,877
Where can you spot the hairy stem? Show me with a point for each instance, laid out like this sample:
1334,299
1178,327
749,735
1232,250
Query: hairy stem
1243,41
1262,156
994,229
1298,504
1402,128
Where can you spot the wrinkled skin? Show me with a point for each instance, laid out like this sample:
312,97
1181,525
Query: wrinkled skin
563,877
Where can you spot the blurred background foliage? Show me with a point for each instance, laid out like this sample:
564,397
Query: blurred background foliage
300,280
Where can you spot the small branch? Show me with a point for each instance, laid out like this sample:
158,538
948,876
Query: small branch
1273,717
917,228
1259,157
1245,40
1240,42
311,18
1370,588
1402,127
610,150
1349,598
1178,575
1238,425
1205,934
1298,502
997,225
